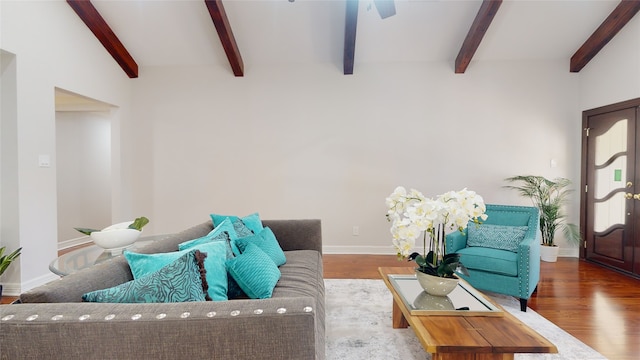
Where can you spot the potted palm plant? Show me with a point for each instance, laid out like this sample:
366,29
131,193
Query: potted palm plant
549,196
6,260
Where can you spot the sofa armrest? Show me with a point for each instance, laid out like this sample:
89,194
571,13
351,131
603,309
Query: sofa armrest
282,328
297,234
456,241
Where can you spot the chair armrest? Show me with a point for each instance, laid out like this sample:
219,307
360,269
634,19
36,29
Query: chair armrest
529,263
456,241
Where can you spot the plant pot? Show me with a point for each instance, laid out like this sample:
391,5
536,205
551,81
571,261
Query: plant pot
435,285
549,253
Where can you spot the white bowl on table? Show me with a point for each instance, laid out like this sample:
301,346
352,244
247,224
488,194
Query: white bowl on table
116,237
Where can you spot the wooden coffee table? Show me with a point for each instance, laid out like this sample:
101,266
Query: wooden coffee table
466,337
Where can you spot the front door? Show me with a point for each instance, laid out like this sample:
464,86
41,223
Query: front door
611,180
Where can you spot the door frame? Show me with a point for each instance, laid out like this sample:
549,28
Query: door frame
633,103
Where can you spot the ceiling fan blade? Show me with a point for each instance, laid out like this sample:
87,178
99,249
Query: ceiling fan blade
385,8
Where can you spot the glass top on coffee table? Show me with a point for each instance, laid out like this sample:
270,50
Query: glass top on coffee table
464,300
90,255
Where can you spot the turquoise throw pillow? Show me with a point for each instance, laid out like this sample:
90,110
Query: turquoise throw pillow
500,237
266,241
214,264
255,272
251,221
224,232
180,281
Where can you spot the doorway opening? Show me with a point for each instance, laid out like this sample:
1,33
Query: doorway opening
83,176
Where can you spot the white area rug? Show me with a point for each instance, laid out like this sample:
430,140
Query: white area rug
358,326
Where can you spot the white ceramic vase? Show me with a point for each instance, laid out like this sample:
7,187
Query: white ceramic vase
435,285
116,237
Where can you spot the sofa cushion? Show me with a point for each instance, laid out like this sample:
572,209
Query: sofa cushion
180,281
496,236
214,264
251,221
490,260
255,272
266,241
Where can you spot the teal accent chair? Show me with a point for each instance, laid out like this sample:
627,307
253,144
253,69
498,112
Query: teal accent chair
513,272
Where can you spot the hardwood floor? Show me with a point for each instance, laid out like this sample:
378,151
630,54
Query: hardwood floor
600,307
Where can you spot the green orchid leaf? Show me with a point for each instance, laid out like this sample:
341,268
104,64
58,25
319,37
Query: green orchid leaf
86,231
139,223
420,261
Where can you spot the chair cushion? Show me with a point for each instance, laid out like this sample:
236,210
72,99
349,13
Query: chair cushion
490,260
496,236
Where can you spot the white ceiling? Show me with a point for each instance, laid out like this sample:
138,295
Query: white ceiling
180,32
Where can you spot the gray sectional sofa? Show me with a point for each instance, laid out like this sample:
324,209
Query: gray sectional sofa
53,323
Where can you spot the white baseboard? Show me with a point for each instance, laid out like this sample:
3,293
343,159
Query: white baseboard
388,250
569,252
26,286
15,289
369,250
10,289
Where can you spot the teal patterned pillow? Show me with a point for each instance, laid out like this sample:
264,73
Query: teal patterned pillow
496,236
241,229
266,241
180,281
252,221
214,264
254,271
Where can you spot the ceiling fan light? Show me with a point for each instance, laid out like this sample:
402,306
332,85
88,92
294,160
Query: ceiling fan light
385,8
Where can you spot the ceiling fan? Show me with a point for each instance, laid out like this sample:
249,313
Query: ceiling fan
385,8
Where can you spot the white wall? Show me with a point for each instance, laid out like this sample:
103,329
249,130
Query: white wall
83,150
309,142
614,74
8,164
53,48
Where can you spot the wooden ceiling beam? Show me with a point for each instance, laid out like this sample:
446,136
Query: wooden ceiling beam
618,18
480,25
351,24
99,27
221,22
